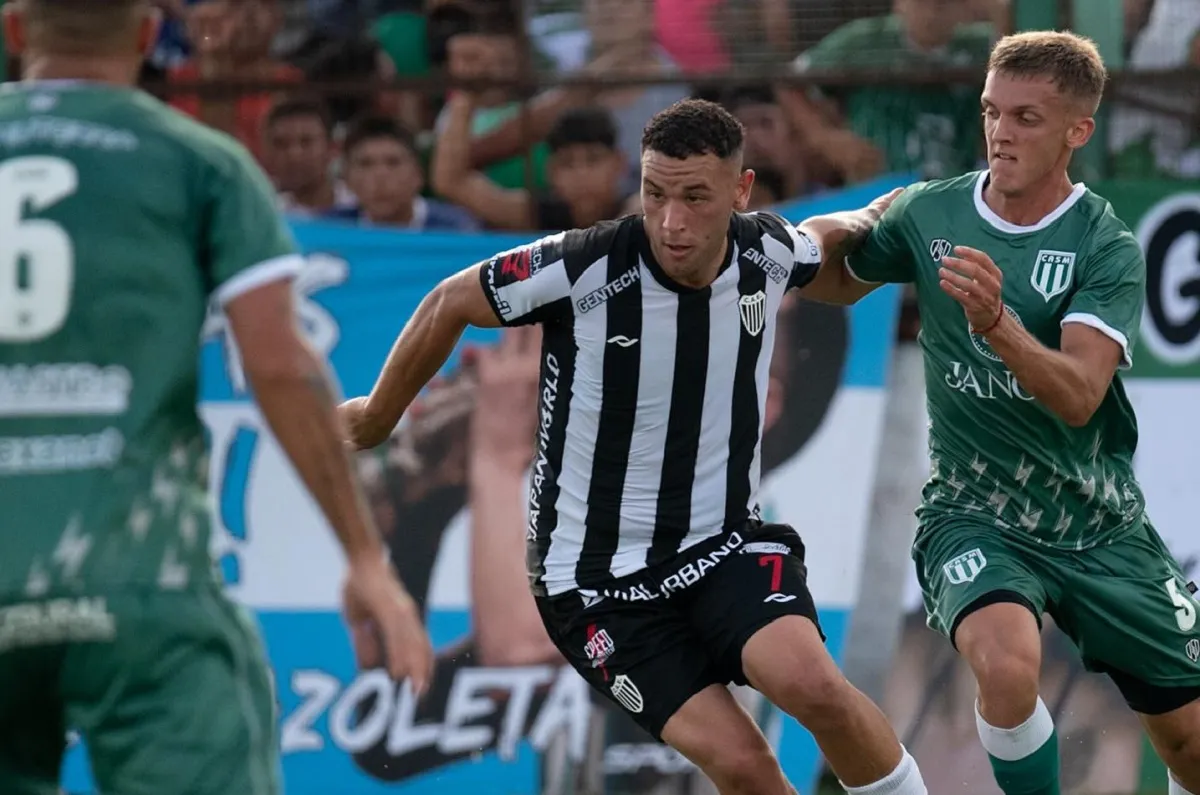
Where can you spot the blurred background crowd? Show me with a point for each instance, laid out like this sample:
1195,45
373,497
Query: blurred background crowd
527,114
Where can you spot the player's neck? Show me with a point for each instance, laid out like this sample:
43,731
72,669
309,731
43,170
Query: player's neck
113,71
1031,206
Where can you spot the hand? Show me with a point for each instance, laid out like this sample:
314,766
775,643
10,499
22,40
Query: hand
353,416
974,281
505,417
384,625
880,205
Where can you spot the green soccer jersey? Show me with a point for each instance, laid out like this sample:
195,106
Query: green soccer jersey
119,220
930,130
995,451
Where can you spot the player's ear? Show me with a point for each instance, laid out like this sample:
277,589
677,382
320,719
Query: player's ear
14,29
745,186
148,29
1081,132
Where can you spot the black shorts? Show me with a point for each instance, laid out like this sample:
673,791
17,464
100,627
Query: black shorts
664,634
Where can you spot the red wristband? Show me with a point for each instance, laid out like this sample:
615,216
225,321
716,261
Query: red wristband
996,322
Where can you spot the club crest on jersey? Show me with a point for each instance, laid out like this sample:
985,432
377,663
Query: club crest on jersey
981,344
940,247
966,567
753,309
1052,272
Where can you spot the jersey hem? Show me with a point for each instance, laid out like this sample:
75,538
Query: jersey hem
1088,319
855,276
256,276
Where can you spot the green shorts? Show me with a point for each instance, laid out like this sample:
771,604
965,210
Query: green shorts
1126,606
170,691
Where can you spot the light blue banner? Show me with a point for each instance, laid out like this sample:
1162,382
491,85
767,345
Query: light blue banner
357,292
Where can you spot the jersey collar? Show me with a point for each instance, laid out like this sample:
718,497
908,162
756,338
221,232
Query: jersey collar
1015,229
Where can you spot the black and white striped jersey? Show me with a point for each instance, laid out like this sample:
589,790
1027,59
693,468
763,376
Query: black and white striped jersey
652,394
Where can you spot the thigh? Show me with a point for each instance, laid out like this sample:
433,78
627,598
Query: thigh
965,563
180,701
643,656
32,733
765,579
1130,610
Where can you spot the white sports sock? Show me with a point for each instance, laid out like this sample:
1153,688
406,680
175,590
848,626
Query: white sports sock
904,780
1009,745
1175,788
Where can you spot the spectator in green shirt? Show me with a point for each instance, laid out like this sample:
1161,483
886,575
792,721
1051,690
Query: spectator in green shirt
929,129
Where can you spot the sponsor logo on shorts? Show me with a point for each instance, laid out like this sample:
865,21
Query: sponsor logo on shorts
1193,650
684,577
627,694
765,548
966,567
782,598
599,646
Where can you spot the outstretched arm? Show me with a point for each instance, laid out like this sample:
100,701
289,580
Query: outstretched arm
839,235
420,351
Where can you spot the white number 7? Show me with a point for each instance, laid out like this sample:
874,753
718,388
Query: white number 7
1185,616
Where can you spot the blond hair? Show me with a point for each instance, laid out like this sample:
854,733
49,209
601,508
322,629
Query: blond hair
1071,61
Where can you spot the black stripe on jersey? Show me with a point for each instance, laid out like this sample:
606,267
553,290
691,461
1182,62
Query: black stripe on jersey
673,520
743,427
618,411
773,225
554,409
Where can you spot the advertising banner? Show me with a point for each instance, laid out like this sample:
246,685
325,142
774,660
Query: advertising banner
449,491
931,692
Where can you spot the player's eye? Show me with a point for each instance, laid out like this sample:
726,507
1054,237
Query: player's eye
694,199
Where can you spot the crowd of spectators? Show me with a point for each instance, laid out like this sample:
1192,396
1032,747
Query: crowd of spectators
488,155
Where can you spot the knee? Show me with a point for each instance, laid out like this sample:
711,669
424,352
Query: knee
820,698
1008,674
746,770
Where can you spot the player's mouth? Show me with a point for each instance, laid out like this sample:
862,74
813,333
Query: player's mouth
1004,157
676,251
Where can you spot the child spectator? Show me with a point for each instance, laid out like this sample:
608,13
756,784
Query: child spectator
298,153
383,169
585,169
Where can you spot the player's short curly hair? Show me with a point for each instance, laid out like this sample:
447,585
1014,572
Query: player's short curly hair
1071,61
691,128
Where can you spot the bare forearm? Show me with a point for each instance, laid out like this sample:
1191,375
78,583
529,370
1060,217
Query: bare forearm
452,155
423,347
840,234
1058,381
299,406
508,628
526,129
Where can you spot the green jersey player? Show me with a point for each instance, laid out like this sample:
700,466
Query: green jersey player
1030,292
119,220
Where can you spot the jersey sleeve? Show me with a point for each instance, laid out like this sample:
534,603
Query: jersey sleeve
529,284
1111,292
246,242
886,255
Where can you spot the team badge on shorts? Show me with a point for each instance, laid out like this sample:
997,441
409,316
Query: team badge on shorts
627,694
1193,650
966,567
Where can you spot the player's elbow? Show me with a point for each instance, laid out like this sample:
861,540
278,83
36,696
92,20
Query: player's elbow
1079,412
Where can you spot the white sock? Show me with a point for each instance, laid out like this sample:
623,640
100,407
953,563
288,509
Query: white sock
1175,788
1009,745
904,780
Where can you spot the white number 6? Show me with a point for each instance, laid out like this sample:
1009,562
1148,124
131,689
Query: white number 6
1185,616
34,304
